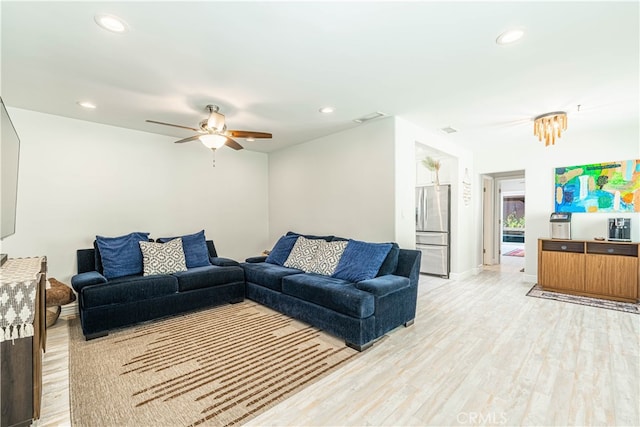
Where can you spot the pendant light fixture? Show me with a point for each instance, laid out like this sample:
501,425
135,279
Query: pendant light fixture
549,126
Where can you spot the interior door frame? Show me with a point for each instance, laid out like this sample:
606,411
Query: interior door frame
492,213
488,215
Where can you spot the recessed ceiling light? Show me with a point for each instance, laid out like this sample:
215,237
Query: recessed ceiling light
510,36
111,23
87,104
250,139
327,110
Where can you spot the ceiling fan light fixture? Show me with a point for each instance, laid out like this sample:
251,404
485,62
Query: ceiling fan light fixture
548,126
213,141
215,121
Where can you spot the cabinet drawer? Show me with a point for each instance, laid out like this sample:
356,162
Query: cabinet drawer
562,246
612,249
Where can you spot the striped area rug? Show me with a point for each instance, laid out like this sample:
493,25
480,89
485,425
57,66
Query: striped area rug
221,366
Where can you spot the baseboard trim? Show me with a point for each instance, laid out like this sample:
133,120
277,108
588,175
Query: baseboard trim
70,309
464,274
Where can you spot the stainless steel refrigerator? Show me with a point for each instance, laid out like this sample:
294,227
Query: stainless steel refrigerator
433,227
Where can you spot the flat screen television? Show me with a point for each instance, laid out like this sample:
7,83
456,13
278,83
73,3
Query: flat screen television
9,159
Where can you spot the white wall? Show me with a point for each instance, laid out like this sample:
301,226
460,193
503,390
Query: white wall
342,184
539,163
405,184
464,235
78,179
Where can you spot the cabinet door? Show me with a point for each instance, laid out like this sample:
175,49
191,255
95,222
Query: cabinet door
561,270
612,275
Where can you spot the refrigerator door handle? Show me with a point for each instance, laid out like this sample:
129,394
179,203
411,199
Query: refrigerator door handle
419,208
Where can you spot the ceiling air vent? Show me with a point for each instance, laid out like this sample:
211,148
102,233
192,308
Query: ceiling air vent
371,116
449,129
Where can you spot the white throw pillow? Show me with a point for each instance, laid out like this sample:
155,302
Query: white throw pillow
302,253
163,258
327,257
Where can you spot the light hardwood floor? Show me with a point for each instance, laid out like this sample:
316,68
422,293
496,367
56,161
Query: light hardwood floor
479,353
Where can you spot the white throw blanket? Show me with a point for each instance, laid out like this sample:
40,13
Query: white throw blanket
18,286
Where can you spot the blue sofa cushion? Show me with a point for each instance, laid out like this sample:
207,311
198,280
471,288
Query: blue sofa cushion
128,289
224,262
121,256
334,294
206,277
267,275
282,249
195,248
390,263
361,260
384,285
81,280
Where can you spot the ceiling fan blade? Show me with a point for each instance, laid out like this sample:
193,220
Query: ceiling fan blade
175,126
191,138
232,144
247,134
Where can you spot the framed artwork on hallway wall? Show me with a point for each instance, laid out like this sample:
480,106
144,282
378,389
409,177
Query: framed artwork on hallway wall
598,187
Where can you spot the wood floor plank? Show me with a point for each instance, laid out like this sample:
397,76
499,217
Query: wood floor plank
480,352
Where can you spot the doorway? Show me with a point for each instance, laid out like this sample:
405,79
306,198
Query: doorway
504,221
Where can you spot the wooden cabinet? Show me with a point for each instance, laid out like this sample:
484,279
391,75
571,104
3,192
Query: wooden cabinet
21,357
608,270
563,265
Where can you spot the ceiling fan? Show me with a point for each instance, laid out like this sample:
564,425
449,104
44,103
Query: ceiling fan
213,132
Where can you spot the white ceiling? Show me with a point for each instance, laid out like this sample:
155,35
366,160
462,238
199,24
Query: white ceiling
271,65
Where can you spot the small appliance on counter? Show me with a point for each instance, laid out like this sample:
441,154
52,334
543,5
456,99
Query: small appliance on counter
620,229
560,223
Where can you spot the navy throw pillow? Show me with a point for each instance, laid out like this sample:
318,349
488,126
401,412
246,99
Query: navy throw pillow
390,263
282,249
361,260
195,249
121,256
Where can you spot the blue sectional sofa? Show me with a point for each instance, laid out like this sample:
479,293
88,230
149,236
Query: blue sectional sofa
358,300
107,303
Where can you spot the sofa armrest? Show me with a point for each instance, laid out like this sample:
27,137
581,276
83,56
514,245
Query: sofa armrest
256,259
384,285
409,265
81,280
86,260
224,262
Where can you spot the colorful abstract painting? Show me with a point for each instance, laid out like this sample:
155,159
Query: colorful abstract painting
600,187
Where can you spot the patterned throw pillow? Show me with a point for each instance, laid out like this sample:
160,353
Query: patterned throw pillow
327,257
302,253
163,258
195,248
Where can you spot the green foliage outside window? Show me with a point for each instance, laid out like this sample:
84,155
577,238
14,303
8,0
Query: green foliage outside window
513,222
